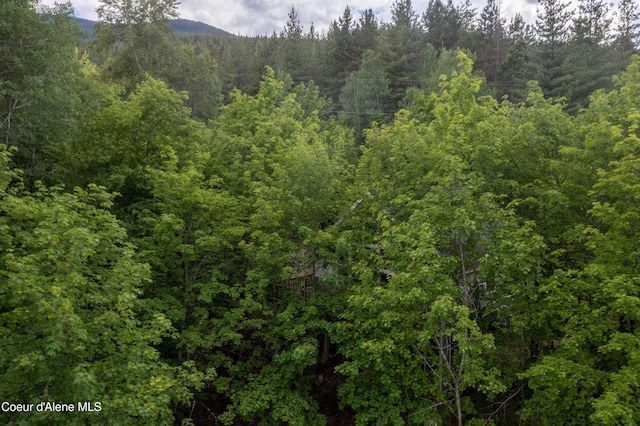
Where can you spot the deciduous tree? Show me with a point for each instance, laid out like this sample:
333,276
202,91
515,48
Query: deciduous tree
71,321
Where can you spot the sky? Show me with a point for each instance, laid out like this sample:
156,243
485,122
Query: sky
263,17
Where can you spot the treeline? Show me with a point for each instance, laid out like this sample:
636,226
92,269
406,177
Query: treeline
369,69
570,52
258,259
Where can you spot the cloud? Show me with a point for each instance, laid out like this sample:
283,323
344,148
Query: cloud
83,8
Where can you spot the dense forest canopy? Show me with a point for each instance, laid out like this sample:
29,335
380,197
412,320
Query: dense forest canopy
429,221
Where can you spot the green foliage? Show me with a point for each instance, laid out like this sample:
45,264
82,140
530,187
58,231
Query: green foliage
442,24
445,65
440,262
591,373
471,261
400,50
221,231
365,95
40,85
196,73
275,147
127,135
343,51
69,325
491,41
627,28
133,40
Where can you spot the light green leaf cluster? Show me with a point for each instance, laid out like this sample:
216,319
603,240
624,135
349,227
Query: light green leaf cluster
222,228
441,259
69,329
596,309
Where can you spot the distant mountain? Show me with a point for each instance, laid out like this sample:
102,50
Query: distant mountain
86,26
194,27
182,26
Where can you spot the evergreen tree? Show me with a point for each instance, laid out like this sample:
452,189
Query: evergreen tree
551,33
292,29
365,95
290,56
593,22
366,31
551,22
519,65
490,44
241,61
491,24
442,24
401,50
588,63
468,24
313,45
627,28
343,55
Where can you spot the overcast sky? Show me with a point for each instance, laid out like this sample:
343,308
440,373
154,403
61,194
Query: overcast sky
263,17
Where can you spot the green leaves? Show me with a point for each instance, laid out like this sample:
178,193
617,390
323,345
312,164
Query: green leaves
68,321
365,95
471,261
438,264
595,309
124,136
41,99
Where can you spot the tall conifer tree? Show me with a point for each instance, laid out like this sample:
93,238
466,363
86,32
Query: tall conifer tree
551,32
400,50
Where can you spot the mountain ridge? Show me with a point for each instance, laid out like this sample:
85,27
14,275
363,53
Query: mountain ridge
180,26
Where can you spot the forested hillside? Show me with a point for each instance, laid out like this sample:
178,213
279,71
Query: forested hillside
433,220
184,26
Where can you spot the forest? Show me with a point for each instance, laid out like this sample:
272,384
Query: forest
428,221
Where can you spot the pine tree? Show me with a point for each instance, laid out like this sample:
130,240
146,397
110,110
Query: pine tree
627,28
401,50
468,27
490,43
551,32
588,62
365,95
292,29
342,53
551,22
518,65
366,31
290,56
593,22
442,25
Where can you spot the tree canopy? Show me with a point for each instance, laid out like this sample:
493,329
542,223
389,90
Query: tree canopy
358,227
